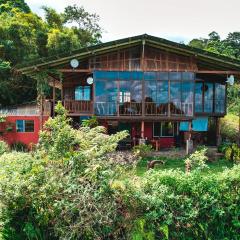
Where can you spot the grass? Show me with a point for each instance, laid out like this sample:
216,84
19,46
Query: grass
178,163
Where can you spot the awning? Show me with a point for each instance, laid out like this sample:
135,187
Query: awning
198,125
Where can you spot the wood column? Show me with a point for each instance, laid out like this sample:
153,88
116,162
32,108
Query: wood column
54,98
142,129
218,132
41,111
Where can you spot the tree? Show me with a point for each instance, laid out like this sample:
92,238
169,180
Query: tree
86,22
26,36
8,5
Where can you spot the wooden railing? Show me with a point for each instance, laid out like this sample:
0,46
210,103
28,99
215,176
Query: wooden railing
130,108
123,109
152,108
74,106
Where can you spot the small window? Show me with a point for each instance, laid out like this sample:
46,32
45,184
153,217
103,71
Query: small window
25,125
83,93
167,129
164,129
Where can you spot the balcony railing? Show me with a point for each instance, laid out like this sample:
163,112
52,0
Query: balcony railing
153,109
123,109
74,106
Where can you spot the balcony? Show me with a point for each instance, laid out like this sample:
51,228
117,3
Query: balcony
78,107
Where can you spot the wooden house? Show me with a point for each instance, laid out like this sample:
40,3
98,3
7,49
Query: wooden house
154,88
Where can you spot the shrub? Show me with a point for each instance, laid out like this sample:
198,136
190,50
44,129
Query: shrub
19,147
91,122
142,150
232,153
229,127
63,191
3,147
174,205
197,160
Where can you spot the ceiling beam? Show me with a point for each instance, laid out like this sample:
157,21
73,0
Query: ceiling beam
219,72
68,70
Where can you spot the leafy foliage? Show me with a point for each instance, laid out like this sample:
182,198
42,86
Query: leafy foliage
229,127
19,147
197,160
174,205
232,153
91,122
142,150
64,189
26,36
3,147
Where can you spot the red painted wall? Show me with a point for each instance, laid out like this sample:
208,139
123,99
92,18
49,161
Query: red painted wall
165,142
24,137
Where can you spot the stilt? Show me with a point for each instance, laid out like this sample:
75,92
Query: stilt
54,98
41,112
218,132
142,129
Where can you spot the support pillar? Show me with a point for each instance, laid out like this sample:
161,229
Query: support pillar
41,111
218,132
142,129
54,98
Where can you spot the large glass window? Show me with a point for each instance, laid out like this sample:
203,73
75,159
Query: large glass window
130,97
156,97
187,98
83,93
106,97
175,98
208,97
199,97
220,91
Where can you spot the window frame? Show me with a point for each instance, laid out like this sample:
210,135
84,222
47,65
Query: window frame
82,92
161,129
24,125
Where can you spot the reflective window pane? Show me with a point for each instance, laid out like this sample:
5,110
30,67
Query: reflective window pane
188,76
199,97
167,129
220,91
175,76
187,98
105,97
175,98
208,97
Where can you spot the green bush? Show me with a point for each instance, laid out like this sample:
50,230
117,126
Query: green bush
3,147
229,127
174,205
232,153
142,150
63,190
19,147
68,189
197,160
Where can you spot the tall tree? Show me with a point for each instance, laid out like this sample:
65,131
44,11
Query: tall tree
8,5
26,36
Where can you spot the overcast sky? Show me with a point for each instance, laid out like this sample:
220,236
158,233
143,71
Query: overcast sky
177,20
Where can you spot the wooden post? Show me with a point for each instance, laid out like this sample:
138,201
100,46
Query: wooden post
54,98
41,112
143,81
142,129
218,132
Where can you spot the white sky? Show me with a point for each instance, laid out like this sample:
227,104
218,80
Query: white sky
176,20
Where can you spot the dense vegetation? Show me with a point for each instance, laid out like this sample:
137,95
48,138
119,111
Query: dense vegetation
25,36
70,188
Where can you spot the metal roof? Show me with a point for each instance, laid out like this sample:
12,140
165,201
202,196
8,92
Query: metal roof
30,67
